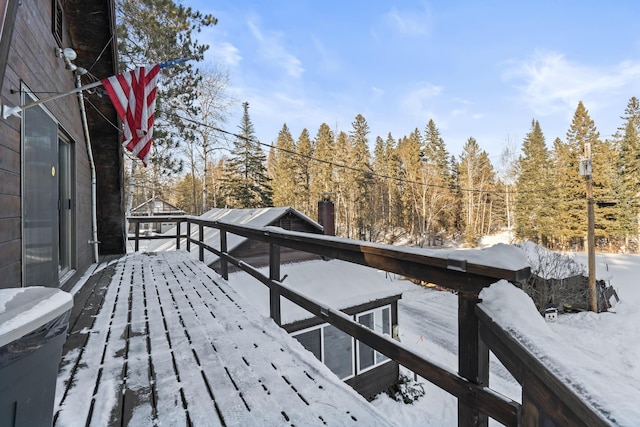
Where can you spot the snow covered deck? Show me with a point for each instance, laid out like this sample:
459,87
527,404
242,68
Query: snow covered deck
160,339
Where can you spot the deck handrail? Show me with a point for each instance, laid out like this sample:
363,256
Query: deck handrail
469,385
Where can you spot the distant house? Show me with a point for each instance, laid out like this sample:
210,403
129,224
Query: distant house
46,227
252,252
156,207
364,293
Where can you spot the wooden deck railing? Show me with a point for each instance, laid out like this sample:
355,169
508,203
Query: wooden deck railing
476,401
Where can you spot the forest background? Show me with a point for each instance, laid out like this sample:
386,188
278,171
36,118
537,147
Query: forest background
385,187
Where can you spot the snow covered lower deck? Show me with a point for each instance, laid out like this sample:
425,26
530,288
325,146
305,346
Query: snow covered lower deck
160,339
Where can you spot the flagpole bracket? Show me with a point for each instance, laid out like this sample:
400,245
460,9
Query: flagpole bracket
8,111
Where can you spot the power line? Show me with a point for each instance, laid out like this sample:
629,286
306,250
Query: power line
369,172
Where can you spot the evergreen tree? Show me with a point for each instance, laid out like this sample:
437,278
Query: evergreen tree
581,134
304,199
360,176
387,204
439,199
321,171
247,183
631,115
182,195
628,189
380,194
412,183
151,32
343,208
283,169
567,195
604,158
532,203
392,170
477,180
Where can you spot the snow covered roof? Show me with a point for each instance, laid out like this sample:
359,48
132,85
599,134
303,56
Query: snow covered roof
261,217
338,284
158,207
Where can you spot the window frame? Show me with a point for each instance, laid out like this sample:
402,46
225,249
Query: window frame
378,358
322,328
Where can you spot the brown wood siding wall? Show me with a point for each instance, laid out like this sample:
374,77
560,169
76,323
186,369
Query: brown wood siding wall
32,60
376,380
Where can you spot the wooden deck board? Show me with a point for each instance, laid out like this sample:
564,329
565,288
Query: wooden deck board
169,343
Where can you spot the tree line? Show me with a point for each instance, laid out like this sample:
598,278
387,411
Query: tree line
383,188
413,187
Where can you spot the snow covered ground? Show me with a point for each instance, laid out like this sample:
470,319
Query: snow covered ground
610,341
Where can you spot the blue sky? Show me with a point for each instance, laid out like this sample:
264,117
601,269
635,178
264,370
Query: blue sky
478,69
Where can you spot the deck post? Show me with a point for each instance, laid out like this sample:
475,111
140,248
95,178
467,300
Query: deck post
201,240
473,358
188,236
137,239
224,266
178,222
274,292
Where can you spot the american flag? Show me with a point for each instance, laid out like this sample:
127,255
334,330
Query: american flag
133,94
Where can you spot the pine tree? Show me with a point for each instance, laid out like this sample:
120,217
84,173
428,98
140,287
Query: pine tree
604,177
392,170
360,176
438,178
247,183
283,169
477,180
322,170
582,132
627,189
304,199
532,203
567,195
631,115
343,208
412,188
154,31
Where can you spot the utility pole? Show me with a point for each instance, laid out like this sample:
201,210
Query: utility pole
586,171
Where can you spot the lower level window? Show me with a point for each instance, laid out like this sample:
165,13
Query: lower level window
378,320
331,346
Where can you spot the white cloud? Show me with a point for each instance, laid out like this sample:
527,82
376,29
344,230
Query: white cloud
377,92
328,60
273,50
226,53
409,22
418,98
548,83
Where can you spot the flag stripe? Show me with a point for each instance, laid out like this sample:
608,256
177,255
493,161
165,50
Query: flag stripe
134,97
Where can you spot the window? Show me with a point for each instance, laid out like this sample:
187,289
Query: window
338,351
57,20
331,346
378,320
312,341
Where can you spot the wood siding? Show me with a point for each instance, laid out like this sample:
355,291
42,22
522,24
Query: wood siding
32,62
375,381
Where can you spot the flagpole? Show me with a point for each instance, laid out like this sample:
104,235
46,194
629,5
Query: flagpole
8,111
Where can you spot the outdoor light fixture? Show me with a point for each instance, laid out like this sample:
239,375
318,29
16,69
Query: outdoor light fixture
68,55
